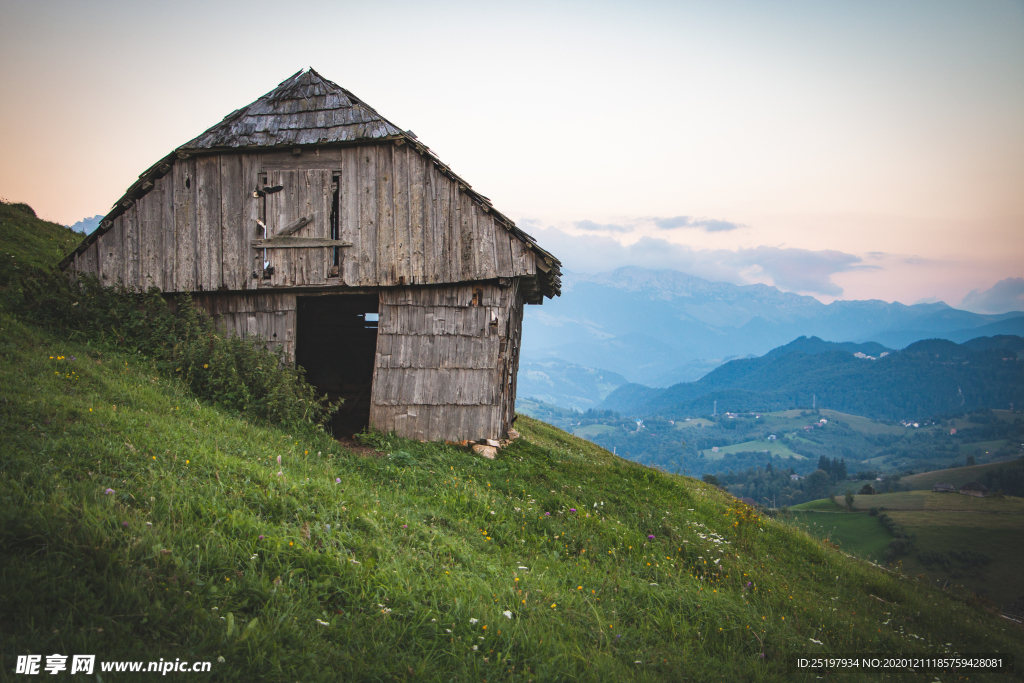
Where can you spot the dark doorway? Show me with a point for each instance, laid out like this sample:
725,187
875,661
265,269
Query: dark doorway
337,345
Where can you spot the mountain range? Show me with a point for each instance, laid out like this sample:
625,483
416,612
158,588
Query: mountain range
663,327
925,379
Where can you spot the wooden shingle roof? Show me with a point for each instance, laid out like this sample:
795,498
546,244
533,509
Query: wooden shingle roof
308,109
305,109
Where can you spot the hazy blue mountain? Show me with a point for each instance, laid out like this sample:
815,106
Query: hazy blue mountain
87,225
565,384
660,327
927,378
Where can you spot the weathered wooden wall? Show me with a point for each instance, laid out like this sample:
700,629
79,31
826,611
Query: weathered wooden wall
407,221
270,315
442,361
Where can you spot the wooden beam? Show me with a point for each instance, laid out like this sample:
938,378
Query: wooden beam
297,243
294,226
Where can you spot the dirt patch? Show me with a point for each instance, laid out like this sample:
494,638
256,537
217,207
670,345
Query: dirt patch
359,449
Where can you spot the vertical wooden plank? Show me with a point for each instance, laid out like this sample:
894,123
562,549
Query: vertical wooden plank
110,245
186,236
467,237
250,259
368,216
282,208
151,233
417,214
349,216
387,256
169,252
234,262
431,229
402,199
208,220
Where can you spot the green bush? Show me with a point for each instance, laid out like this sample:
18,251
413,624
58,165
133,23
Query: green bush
241,375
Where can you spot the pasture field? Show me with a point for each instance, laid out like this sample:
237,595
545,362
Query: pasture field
857,533
941,524
774,447
995,536
590,431
957,476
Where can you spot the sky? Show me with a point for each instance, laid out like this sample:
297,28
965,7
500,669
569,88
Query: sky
846,150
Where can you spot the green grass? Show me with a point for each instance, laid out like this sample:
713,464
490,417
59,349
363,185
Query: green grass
27,240
857,533
820,505
204,551
590,431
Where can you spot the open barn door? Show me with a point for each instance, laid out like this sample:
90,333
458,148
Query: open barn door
337,345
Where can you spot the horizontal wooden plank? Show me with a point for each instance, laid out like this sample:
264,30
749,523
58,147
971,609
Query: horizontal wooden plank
297,243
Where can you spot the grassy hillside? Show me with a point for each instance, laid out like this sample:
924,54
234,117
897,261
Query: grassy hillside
206,547
139,523
27,240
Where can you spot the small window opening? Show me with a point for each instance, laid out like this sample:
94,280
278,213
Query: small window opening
335,214
478,297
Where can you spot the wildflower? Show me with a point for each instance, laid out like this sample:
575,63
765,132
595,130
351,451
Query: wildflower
447,630
109,492
323,623
405,526
650,536
337,480
386,610
508,614
553,605
474,647
124,524
579,588
279,461
572,509
261,537
547,514
205,365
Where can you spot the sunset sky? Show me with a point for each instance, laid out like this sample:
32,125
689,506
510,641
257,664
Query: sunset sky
841,149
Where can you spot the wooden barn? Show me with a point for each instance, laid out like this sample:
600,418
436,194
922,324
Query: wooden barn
312,221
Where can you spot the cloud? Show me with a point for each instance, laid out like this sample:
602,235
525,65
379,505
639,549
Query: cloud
1004,296
708,224
794,270
801,270
601,227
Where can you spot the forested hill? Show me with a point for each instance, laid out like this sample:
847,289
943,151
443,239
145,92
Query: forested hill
930,377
